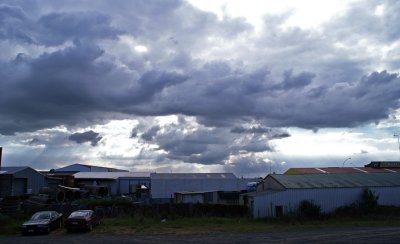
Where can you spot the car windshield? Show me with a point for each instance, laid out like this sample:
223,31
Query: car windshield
79,214
41,215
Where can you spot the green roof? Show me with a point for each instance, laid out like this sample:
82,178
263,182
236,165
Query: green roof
337,180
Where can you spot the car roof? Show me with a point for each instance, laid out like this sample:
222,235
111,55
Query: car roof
85,211
45,212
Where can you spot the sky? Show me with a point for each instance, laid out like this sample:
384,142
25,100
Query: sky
248,87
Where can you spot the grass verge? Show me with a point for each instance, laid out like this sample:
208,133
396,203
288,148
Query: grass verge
143,225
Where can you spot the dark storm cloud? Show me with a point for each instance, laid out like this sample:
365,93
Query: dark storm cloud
80,83
59,27
54,28
70,85
87,136
77,64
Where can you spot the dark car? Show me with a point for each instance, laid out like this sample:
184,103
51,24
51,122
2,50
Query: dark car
42,222
82,220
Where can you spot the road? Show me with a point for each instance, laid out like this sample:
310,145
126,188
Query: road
324,235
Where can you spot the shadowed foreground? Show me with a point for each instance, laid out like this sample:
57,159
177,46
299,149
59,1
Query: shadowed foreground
321,235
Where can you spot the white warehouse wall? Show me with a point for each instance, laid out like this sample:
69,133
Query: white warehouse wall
328,198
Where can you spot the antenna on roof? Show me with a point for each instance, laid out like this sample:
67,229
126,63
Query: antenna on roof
345,161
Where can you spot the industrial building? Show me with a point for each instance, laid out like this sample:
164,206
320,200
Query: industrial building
165,185
210,197
87,168
278,195
341,170
17,181
117,182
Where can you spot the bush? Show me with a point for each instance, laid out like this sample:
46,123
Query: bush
108,202
369,201
310,210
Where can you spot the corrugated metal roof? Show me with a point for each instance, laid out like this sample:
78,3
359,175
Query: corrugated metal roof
170,176
340,170
12,170
111,175
90,167
337,180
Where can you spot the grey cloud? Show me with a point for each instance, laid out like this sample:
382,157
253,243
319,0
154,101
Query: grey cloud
87,136
365,23
55,28
15,24
151,133
300,80
253,129
204,145
249,166
59,27
34,141
70,85
270,133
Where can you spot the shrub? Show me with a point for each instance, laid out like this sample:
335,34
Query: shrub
308,209
368,201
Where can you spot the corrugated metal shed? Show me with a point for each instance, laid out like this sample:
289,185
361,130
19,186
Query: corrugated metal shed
283,193
118,182
265,204
164,185
110,175
337,180
87,168
168,176
16,181
12,170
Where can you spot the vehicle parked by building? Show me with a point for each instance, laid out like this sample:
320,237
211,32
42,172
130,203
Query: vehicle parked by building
42,222
82,220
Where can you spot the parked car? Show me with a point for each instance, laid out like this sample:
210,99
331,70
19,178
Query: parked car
82,220
42,222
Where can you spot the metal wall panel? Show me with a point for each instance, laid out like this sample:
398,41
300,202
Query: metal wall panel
165,188
35,180
125,183
329,199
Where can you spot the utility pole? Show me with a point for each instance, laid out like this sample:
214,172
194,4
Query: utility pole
398,139
1,152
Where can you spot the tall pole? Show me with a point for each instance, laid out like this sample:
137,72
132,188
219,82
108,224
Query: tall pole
1,152
398,140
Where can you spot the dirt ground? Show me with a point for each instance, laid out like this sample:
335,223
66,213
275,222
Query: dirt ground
322,235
